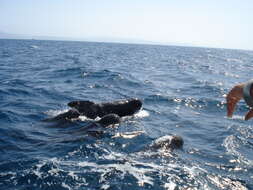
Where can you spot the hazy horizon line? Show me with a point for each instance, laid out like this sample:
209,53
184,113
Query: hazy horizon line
121,40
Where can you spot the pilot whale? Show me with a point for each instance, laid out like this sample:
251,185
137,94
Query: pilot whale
170,142
108,120
93,110
121,107
105,121
69,115
97,128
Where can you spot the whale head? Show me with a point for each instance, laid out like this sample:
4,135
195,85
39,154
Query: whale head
135,104
168,142
176,142
86,108
109,119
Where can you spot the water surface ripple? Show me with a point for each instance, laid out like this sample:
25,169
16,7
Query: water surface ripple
182,89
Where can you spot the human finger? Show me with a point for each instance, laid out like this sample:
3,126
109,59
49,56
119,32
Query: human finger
249,115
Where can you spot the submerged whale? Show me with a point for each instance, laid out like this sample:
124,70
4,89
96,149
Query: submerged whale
121,108
109,119
69,115
105,121
97,128
170,142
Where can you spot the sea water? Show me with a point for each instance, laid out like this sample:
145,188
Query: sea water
183,93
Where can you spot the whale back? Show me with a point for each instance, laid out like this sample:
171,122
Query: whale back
121,107
110,119
87,108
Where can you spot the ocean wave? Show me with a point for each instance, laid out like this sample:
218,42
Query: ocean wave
183,92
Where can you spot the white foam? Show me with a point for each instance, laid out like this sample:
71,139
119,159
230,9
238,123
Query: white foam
226,183
232,145
128,135
105,186
126,168
84,118
34,47
143,172
66,186
230,74
54,171
237,117
73,175
170,186
163,139
142,113
54,113
234,60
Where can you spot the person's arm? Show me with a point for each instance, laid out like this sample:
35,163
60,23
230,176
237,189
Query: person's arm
249,115
248,97
239,91
234,96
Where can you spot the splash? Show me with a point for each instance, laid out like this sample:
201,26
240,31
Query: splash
237,117
232,144
142,113
34,47
128,135
54,113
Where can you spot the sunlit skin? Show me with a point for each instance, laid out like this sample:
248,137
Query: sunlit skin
233,97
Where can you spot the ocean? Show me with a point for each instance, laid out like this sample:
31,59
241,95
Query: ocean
183,93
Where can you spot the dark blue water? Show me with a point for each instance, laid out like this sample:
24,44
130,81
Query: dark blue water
182,90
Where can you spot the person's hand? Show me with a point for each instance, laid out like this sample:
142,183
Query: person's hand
234,96
249,115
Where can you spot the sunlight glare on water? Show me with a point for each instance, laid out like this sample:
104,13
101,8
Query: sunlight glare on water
183,93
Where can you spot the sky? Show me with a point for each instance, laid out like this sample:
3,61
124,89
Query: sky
207,23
